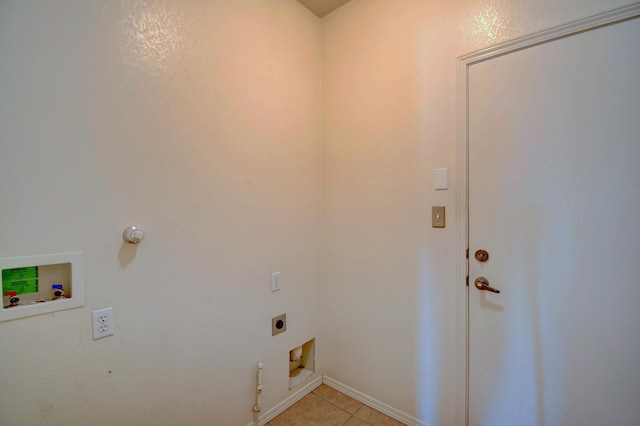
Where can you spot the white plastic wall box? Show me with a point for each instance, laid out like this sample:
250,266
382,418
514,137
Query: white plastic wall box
73,282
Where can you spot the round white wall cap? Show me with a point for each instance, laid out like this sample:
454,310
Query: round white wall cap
133,235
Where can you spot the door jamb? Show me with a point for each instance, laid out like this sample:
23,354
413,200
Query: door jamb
462,163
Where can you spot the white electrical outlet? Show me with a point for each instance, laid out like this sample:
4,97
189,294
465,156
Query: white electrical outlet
275,281
102,323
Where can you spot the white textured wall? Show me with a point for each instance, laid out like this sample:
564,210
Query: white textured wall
199,121
389,119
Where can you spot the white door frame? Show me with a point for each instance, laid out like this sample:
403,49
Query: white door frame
462,163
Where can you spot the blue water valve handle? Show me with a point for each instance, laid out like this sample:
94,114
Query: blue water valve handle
58,292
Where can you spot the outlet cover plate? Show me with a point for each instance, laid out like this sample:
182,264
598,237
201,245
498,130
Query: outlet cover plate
278,324
102,323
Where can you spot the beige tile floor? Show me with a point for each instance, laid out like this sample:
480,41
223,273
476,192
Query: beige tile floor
326,406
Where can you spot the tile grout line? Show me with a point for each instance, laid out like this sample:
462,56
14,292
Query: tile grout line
350,414
326,400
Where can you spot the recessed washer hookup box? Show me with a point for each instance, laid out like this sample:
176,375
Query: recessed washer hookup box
35,285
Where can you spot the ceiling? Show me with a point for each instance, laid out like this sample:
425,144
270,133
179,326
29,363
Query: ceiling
322,7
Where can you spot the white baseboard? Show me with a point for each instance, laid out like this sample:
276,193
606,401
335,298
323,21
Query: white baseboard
292,399
341,387
373,403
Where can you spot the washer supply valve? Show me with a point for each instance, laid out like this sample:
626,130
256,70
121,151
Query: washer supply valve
58,292
14,300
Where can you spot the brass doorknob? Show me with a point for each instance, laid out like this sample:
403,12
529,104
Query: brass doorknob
482,283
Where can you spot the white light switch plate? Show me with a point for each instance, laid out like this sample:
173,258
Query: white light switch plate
442,179
275,281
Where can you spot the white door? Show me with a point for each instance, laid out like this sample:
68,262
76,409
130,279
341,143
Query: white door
554,199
